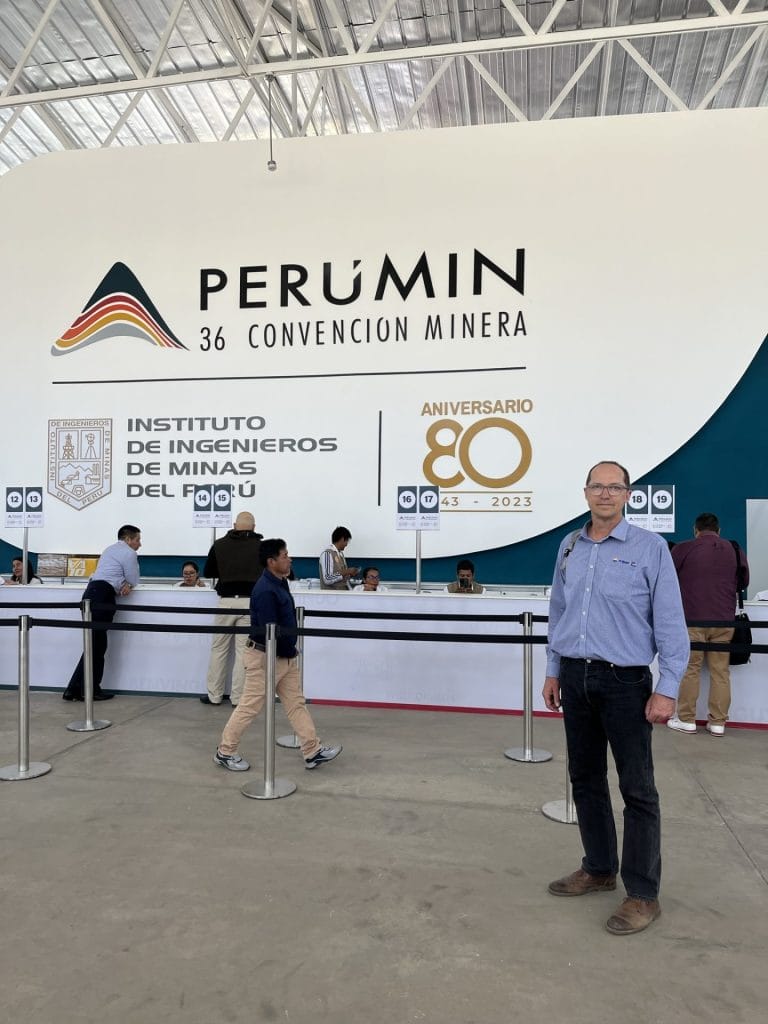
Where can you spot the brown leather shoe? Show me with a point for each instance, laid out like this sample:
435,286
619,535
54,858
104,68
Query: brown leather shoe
633,915
581,882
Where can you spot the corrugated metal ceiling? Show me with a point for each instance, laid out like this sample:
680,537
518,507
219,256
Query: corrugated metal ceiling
89,73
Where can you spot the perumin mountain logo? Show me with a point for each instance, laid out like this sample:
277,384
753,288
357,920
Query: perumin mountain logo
118,308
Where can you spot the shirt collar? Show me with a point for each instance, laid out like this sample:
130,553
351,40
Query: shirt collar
619,532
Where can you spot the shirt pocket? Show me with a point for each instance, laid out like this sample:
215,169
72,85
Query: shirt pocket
620,580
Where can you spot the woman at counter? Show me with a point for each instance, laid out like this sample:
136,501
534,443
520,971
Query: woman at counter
17,566
190,576
371,581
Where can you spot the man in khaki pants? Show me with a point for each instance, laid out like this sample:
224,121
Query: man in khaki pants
272,602
233,562
707,572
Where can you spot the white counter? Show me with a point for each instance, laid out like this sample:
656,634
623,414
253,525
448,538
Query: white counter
427,674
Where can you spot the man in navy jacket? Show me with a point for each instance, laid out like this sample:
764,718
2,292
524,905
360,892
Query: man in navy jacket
272,601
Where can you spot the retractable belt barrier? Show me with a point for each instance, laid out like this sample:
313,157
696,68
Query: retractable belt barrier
272,788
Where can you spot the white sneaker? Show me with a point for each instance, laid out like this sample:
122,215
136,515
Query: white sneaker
232,762
323,756
679,726
715,730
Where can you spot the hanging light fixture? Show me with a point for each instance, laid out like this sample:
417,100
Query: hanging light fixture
271,163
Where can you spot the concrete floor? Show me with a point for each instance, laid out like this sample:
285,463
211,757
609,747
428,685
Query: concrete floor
404,882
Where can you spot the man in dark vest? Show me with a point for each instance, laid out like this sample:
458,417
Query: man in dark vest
335,574
233,562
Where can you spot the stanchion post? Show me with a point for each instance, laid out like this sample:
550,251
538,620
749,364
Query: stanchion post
24,770
418,561
25,557
89,725
292,742
562,810
527,752
271,788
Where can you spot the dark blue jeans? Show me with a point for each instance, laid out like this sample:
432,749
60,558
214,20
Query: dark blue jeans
602,705
102,593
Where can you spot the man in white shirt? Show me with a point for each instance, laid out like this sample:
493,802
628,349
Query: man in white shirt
116,573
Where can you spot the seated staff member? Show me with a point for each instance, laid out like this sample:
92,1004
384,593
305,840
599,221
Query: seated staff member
190,576
271,601
17,566
116,573
465,579
335,574
371,581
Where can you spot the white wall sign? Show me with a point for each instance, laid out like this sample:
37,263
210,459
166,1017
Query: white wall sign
662,508
212,506
23,507
652,507
492,347
429,508
407,512
638,507
418,508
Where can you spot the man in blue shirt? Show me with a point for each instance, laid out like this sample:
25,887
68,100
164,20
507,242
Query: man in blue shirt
272,601
116,573
615,604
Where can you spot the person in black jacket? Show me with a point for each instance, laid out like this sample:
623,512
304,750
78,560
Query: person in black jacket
233,562
272,601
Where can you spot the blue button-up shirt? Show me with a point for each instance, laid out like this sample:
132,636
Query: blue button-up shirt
118,565
272,601
618,600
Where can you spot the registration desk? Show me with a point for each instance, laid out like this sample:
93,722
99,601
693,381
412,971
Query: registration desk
430,674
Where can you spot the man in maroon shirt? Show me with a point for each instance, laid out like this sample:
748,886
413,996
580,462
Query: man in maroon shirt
706,569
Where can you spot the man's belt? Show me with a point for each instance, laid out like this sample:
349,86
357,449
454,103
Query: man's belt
596,663
254,645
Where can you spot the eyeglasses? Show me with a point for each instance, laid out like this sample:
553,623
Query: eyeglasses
189,573
613,489
370,577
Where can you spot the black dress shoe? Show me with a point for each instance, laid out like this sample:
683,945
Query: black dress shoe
103,695
207,700
68,695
